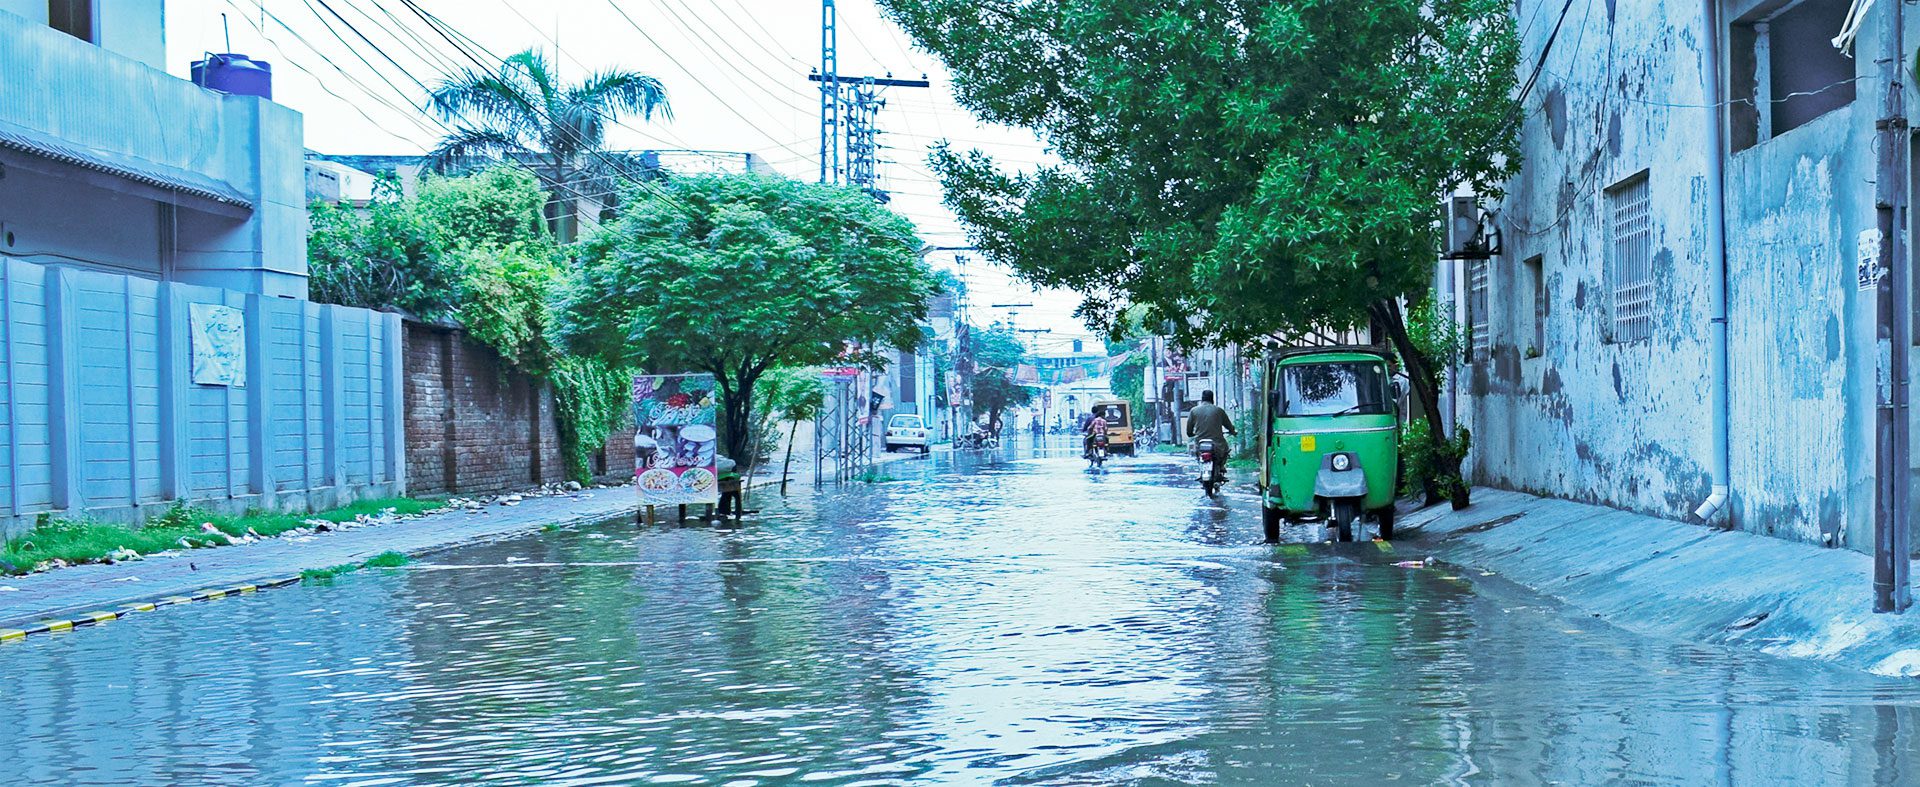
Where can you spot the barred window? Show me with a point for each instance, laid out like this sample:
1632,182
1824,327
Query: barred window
1479,326
1630,262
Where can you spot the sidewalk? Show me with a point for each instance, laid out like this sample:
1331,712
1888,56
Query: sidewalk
1682,581
73,592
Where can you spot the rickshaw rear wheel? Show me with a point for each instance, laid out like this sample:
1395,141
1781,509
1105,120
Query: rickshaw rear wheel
1385,517
1270,523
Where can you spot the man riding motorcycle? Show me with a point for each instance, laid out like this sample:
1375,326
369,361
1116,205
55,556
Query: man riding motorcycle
1095,425
1208,421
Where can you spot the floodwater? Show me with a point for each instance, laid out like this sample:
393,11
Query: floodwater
1008,619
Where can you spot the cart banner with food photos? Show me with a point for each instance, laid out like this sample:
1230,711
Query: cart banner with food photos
674,444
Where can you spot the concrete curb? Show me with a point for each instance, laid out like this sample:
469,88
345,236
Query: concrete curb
66,619
1678,581
61,625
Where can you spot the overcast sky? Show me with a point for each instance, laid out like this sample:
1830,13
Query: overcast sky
735,72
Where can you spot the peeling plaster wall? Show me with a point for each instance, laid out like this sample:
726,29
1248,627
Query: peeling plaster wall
1628,424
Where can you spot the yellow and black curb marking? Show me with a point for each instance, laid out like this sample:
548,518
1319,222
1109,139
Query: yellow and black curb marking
54,626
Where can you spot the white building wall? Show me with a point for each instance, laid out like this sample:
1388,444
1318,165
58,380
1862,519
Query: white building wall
1626,423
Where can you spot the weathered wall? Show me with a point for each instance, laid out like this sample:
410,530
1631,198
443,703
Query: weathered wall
476,426
103,419
1628,424
1591,418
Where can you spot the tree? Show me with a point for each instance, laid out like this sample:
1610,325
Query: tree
523,113
997,351
794,395
1275,168
738,274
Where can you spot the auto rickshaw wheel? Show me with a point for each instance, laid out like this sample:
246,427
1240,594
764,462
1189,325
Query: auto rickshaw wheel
1385,518
1270,523
1346,515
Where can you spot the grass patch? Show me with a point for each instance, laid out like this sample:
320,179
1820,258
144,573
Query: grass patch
181,527
388,559
1244,463
875,476
1169,448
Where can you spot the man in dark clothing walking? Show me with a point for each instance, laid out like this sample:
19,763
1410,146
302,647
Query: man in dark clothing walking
1209,422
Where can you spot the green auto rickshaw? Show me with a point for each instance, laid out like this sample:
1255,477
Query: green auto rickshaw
1331,444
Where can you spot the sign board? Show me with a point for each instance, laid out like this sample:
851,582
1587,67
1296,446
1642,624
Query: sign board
219,344
675,442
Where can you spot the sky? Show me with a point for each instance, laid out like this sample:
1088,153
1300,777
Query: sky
735,73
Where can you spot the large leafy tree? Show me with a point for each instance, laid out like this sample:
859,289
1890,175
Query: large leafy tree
1273,167
525,114
997,352
738,274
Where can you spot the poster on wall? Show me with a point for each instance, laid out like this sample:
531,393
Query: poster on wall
675,444
219,345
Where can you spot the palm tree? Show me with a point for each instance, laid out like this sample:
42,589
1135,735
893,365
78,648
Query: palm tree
523,114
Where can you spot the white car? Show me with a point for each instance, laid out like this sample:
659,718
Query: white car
906,430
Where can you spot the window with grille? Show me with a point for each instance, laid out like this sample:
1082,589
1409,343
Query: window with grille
1479,327
1537,274
1630,263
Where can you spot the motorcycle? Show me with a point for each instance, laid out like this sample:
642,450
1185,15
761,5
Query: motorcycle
1204,451
1097,451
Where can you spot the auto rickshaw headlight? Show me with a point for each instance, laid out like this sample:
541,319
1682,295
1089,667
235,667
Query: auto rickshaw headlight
1342,462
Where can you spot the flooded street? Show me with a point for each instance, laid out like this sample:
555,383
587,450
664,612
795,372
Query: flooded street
967,620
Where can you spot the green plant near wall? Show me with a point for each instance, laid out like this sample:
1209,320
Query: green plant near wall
592,400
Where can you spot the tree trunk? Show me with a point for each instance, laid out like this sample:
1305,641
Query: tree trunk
1425,382
786,470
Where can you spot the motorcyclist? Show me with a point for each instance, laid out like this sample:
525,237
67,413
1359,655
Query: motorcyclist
1095,425
1208,421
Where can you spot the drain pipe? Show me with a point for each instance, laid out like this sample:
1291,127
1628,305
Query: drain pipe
1712,509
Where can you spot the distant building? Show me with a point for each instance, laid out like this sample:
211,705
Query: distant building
331,181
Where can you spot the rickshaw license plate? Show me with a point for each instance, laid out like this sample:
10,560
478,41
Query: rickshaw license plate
1306,442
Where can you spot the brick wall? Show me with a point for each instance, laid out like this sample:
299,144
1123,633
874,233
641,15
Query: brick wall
474,426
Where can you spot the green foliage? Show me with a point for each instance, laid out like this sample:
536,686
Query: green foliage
503,300
738,274
496,206
179,527
1129,382
379,258
592,400
1435,334
1275,167
1432,467
996,352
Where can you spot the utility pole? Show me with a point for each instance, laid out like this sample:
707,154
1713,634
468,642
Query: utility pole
849,107
1894,334
829,79
852,140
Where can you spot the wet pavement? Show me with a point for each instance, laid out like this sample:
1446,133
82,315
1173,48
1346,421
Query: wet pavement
1003,619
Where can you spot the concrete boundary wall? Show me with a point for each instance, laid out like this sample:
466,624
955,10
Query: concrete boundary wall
102,417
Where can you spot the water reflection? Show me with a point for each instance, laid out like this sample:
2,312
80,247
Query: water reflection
1008,619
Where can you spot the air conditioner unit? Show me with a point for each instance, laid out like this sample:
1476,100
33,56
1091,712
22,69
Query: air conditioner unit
1470,231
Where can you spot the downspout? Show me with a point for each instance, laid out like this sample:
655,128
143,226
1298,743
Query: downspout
1712,509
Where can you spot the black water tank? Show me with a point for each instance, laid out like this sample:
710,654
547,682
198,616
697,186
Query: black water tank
236,74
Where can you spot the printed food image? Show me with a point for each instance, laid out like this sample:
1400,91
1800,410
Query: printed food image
658,479
698,479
